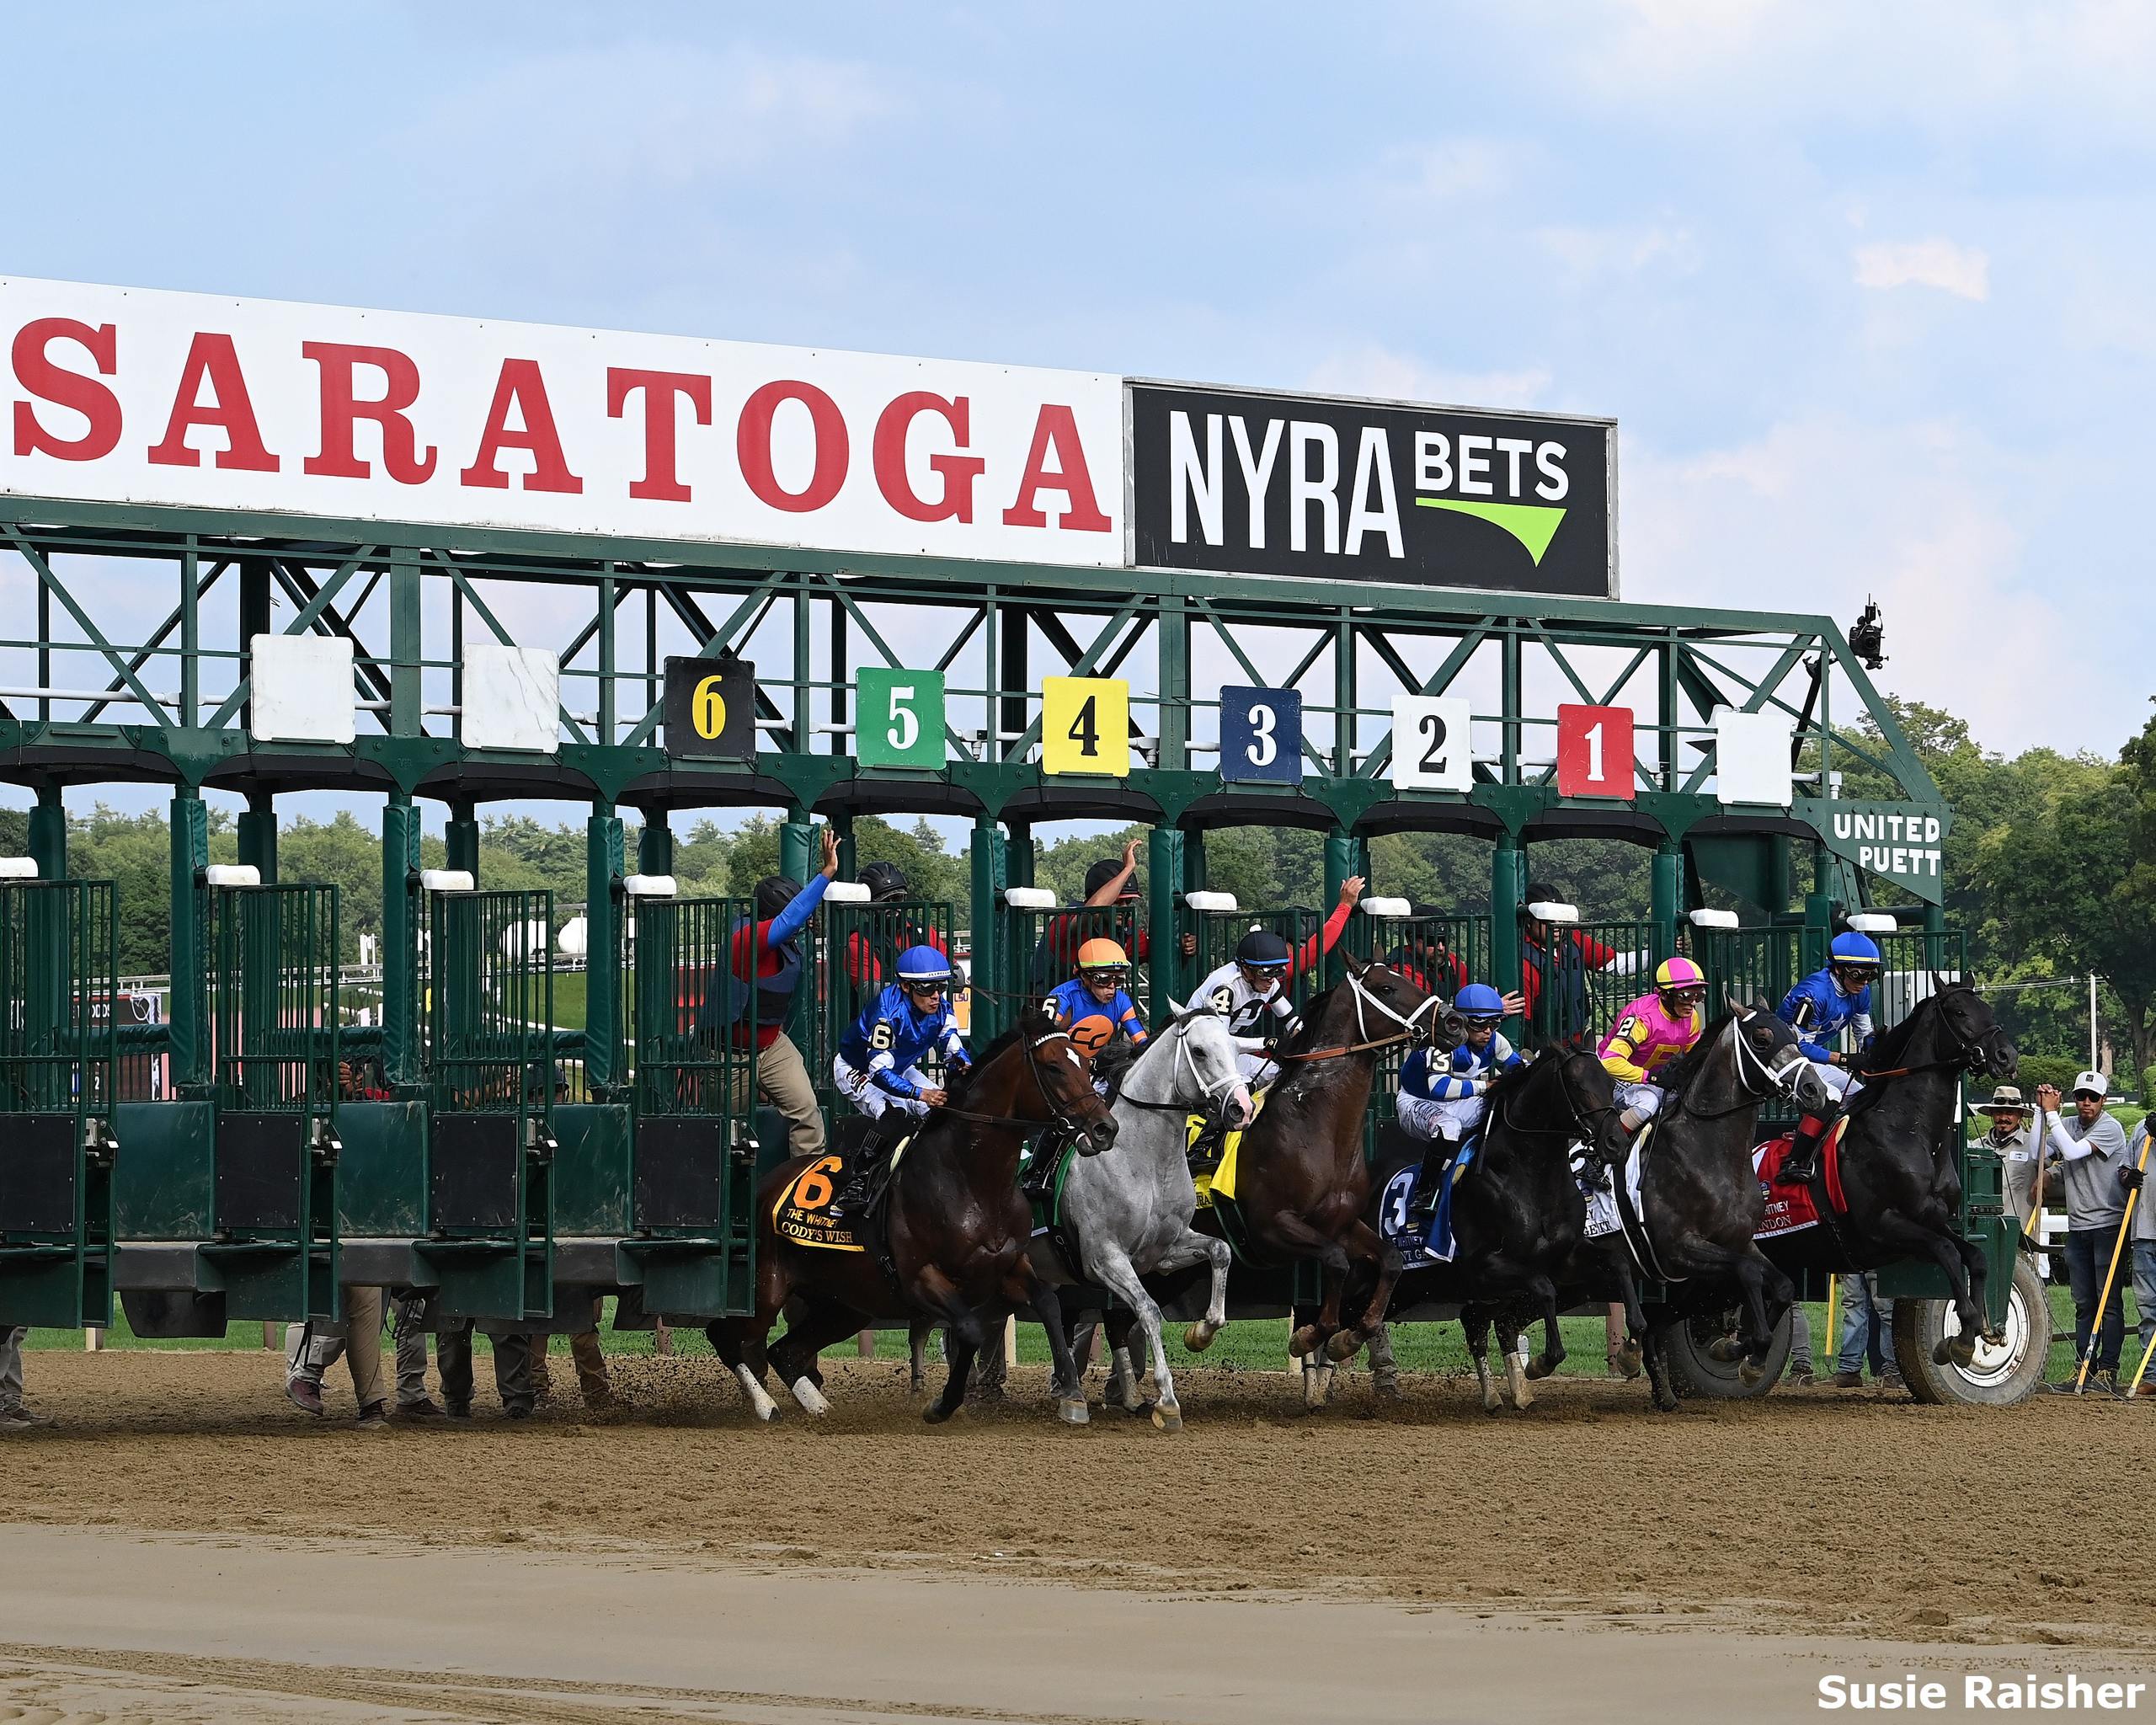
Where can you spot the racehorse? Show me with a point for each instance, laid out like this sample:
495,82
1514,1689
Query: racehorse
1517,1215
1899,1167
1129,1212
1699,1203
1302,1185
957,1226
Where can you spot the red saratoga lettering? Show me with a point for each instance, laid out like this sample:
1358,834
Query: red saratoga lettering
341,410
1057,429
752,443
662,478
231,410
959,471
36,372
521,386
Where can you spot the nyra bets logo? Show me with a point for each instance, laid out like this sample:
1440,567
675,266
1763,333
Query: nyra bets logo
1279,485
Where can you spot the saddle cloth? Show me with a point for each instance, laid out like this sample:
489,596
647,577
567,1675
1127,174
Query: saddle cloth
1420,1243
802,1211
1791,1209
1220,1179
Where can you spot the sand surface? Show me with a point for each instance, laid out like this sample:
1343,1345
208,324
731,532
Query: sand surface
182,1539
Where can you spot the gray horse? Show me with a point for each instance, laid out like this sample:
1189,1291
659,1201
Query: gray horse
1129,1208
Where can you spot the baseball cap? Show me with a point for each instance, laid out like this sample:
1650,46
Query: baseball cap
2092,1084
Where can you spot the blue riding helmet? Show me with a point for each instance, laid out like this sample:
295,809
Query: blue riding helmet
1853,950
1478,1001
920,965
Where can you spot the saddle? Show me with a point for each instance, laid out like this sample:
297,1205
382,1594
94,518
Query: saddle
1212,1153
802,1211
1793,1207
1419,1241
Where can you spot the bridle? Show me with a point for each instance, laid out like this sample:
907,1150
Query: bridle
1412,1028
1210,1097
1968,1054
1777,1077
1583,1119
1060,1124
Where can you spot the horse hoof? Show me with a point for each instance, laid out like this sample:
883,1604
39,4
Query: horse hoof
1386,1389
810,1397
1630,1360
1542,1366
1198,1338
1751,1372
1168,1418
936,1413
1071,1410
1306,1341
1343,1346
1726,1350
1959,1348
1317,1385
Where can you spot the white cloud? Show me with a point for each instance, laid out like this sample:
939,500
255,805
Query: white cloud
1964,271
1590,253
1394,376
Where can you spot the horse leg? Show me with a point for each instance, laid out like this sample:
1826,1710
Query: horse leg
1544,1293
729,1340
1753,1270
1517,1391
1641,1340
1296,1238
1385,1370
1123,1391
936,1291
1361,1242
823,1322
917,1334
1048,1306
1195,1248
1109,1265
1475,1320
1965,1269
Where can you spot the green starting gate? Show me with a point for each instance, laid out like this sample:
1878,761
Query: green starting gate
1579,976
58,1058
858,952
1038,943
1220,929
488,1004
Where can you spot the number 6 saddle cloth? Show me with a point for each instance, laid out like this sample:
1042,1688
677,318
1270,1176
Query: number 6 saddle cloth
802,1213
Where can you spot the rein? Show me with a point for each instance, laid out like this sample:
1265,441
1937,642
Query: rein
1408,1032
1777,1081
1210,1095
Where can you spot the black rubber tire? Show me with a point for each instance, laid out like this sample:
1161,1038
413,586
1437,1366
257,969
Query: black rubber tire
1998,1378
1693,1372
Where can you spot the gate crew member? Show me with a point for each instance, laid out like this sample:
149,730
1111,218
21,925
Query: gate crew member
1425,958
770,954
873,954
1107,882
878,1067
1445,1107
1253,985
1094,1005
1819,1008
1560,958
1650,1033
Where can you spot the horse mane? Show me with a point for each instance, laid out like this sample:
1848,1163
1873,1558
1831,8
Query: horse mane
1304,1036
1679,1073
960,1082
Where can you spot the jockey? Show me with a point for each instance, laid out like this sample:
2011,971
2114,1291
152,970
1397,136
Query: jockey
1252,986
1445,1107
1819,1008
878,1065
1650,1033
1094,1005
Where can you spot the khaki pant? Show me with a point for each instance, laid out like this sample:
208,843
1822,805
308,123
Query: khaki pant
310,1355
783,1078
591,1374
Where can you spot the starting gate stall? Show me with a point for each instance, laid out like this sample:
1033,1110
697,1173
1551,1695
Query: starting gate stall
1081,577
1582,974
1443,952
1220,924
859,945
58,1058
491,1079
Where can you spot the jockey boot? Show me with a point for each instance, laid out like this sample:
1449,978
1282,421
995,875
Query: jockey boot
853,1199
1801,1166
1207,1149
1436,1157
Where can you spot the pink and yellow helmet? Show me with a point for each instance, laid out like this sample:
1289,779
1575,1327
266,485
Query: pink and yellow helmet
1674,974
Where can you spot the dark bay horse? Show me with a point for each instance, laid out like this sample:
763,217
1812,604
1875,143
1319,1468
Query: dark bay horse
1302,1186
1517,1215
1699,1200
958,1228
1900,1168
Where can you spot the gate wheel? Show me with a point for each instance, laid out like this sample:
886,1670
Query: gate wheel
1696,1372
1998,1377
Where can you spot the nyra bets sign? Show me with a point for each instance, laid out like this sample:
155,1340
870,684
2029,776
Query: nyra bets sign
125,396
1365,491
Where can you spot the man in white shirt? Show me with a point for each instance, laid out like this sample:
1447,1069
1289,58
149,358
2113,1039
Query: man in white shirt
2087,1150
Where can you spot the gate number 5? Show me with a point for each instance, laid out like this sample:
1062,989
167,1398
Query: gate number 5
905,724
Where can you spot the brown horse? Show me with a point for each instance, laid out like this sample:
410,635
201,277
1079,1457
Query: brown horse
1301,1184
958,1228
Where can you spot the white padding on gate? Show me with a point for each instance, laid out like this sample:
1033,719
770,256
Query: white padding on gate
301,690
1751,757
512,697
1029,897
649,886
846,892
18,868
1392,908
447,880
1212,901
231,875
575,938
1550,910
1714,919
1872,922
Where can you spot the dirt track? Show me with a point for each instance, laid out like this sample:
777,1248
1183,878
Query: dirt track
1941,1525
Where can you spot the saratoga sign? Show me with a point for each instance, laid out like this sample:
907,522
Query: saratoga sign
125,396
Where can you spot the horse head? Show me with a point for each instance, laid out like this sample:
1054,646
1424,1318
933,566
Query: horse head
1770,1058
1206,1054
1966,1018
1388,1002
1063,1083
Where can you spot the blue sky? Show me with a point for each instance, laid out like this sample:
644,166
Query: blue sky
1866,288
